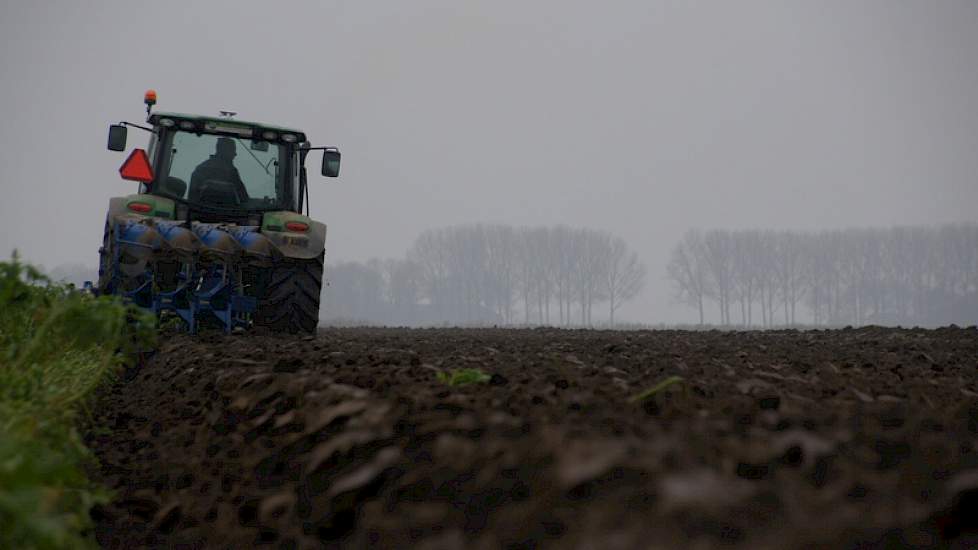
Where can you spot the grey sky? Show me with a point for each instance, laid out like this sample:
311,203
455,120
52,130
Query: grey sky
641,118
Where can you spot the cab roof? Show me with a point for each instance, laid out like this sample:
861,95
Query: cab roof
156,116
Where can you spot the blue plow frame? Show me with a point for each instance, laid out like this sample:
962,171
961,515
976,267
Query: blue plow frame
202,290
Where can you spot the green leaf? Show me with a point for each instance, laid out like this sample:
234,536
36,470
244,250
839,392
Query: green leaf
462,377
651,392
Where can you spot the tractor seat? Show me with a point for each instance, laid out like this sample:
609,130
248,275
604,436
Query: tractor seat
174,186
218,193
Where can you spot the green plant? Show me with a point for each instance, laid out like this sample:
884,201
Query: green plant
462,377
57,346
651,392
171,322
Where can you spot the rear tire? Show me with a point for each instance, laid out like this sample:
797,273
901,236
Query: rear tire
105,260
289,301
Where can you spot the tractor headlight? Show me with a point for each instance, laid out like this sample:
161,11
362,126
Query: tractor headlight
187,125
289,138
269,135
167,122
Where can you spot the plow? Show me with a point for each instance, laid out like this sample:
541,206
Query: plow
215,235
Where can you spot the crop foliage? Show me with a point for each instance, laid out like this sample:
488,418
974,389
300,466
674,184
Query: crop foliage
57,346
463,377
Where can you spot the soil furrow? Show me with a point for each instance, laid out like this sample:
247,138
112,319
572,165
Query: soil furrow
350,438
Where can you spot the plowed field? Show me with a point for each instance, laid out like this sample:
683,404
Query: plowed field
351,439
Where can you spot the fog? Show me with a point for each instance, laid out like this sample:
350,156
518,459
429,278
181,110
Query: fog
636,118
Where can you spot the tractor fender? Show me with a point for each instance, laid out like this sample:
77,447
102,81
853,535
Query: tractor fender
161,207
306,245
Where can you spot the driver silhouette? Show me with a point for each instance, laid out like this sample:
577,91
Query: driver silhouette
218,167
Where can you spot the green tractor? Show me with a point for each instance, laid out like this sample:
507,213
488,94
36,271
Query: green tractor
215,234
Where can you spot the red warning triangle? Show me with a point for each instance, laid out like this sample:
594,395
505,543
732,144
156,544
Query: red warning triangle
137,167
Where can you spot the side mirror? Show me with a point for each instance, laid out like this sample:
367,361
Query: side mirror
331,162
117,137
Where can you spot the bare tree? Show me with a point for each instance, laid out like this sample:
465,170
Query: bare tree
788,263
404,279
687,270
912,275
744,274
718,255
624,276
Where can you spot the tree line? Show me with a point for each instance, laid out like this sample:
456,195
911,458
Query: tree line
490,274
924,276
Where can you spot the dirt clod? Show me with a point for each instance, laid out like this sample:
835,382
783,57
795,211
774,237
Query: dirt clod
350,439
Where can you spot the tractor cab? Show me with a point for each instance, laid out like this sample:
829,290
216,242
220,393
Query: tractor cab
219,169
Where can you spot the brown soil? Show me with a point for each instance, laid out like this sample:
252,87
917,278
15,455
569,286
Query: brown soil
349,438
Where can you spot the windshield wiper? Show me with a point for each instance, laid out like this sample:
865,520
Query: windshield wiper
265,168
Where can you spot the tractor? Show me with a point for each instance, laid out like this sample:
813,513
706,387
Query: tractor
215,234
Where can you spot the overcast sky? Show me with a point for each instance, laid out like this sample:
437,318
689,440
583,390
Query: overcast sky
637,117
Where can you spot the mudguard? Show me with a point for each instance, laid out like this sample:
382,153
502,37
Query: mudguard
300,246
161,207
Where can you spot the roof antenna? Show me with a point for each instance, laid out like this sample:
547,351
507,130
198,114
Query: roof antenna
228,114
